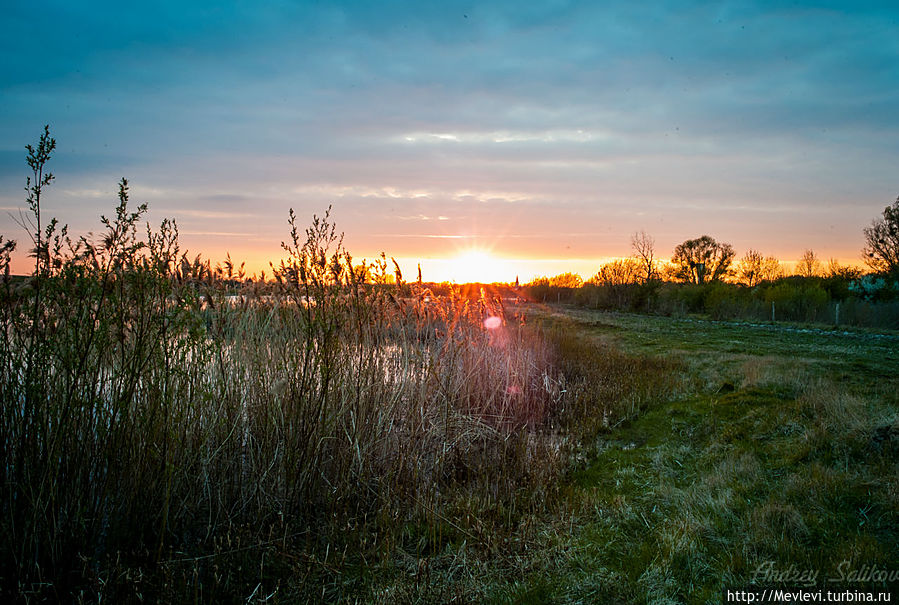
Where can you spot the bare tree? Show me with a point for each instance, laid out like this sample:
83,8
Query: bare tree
749,270
881,249
617,277
809,265
771,269
620,272
702,260
644,249
836,270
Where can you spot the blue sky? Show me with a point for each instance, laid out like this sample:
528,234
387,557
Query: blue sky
538,130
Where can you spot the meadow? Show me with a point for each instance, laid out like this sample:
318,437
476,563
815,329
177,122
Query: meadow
777,451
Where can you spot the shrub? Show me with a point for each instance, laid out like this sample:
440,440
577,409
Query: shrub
796,300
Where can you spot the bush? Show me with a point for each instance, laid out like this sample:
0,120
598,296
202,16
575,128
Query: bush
731,301
795,300
680,299
875,288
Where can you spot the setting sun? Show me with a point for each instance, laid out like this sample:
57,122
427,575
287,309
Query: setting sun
478,265
449,301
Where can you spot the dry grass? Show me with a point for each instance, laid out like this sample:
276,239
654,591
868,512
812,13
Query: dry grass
174,431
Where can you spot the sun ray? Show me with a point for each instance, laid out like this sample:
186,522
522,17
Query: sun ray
473,265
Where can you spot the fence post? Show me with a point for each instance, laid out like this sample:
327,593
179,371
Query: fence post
772,311
836,320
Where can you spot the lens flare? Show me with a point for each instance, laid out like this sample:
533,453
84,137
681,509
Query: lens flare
493,322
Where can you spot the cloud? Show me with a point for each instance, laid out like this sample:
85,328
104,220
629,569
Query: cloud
217,234
498,116
422,217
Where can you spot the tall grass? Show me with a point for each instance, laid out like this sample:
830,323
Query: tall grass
175,431
164,422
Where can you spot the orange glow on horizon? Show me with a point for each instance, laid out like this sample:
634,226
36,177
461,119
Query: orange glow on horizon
466,265
477,265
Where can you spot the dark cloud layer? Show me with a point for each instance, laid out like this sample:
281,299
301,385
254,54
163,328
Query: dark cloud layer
538,117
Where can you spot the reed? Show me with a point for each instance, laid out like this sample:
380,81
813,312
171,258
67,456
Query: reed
177,432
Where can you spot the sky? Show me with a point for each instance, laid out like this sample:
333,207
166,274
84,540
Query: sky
482,139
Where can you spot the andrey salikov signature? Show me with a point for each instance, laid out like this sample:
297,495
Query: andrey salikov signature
845,573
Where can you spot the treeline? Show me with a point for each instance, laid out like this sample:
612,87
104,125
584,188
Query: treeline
703,277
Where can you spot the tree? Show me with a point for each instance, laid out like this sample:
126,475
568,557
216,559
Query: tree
809,265
618,279
644,249
881,249
845,272
566,280
702,260
620,272
750,268
363,273
771,269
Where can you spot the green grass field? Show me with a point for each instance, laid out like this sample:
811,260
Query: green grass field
780,449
